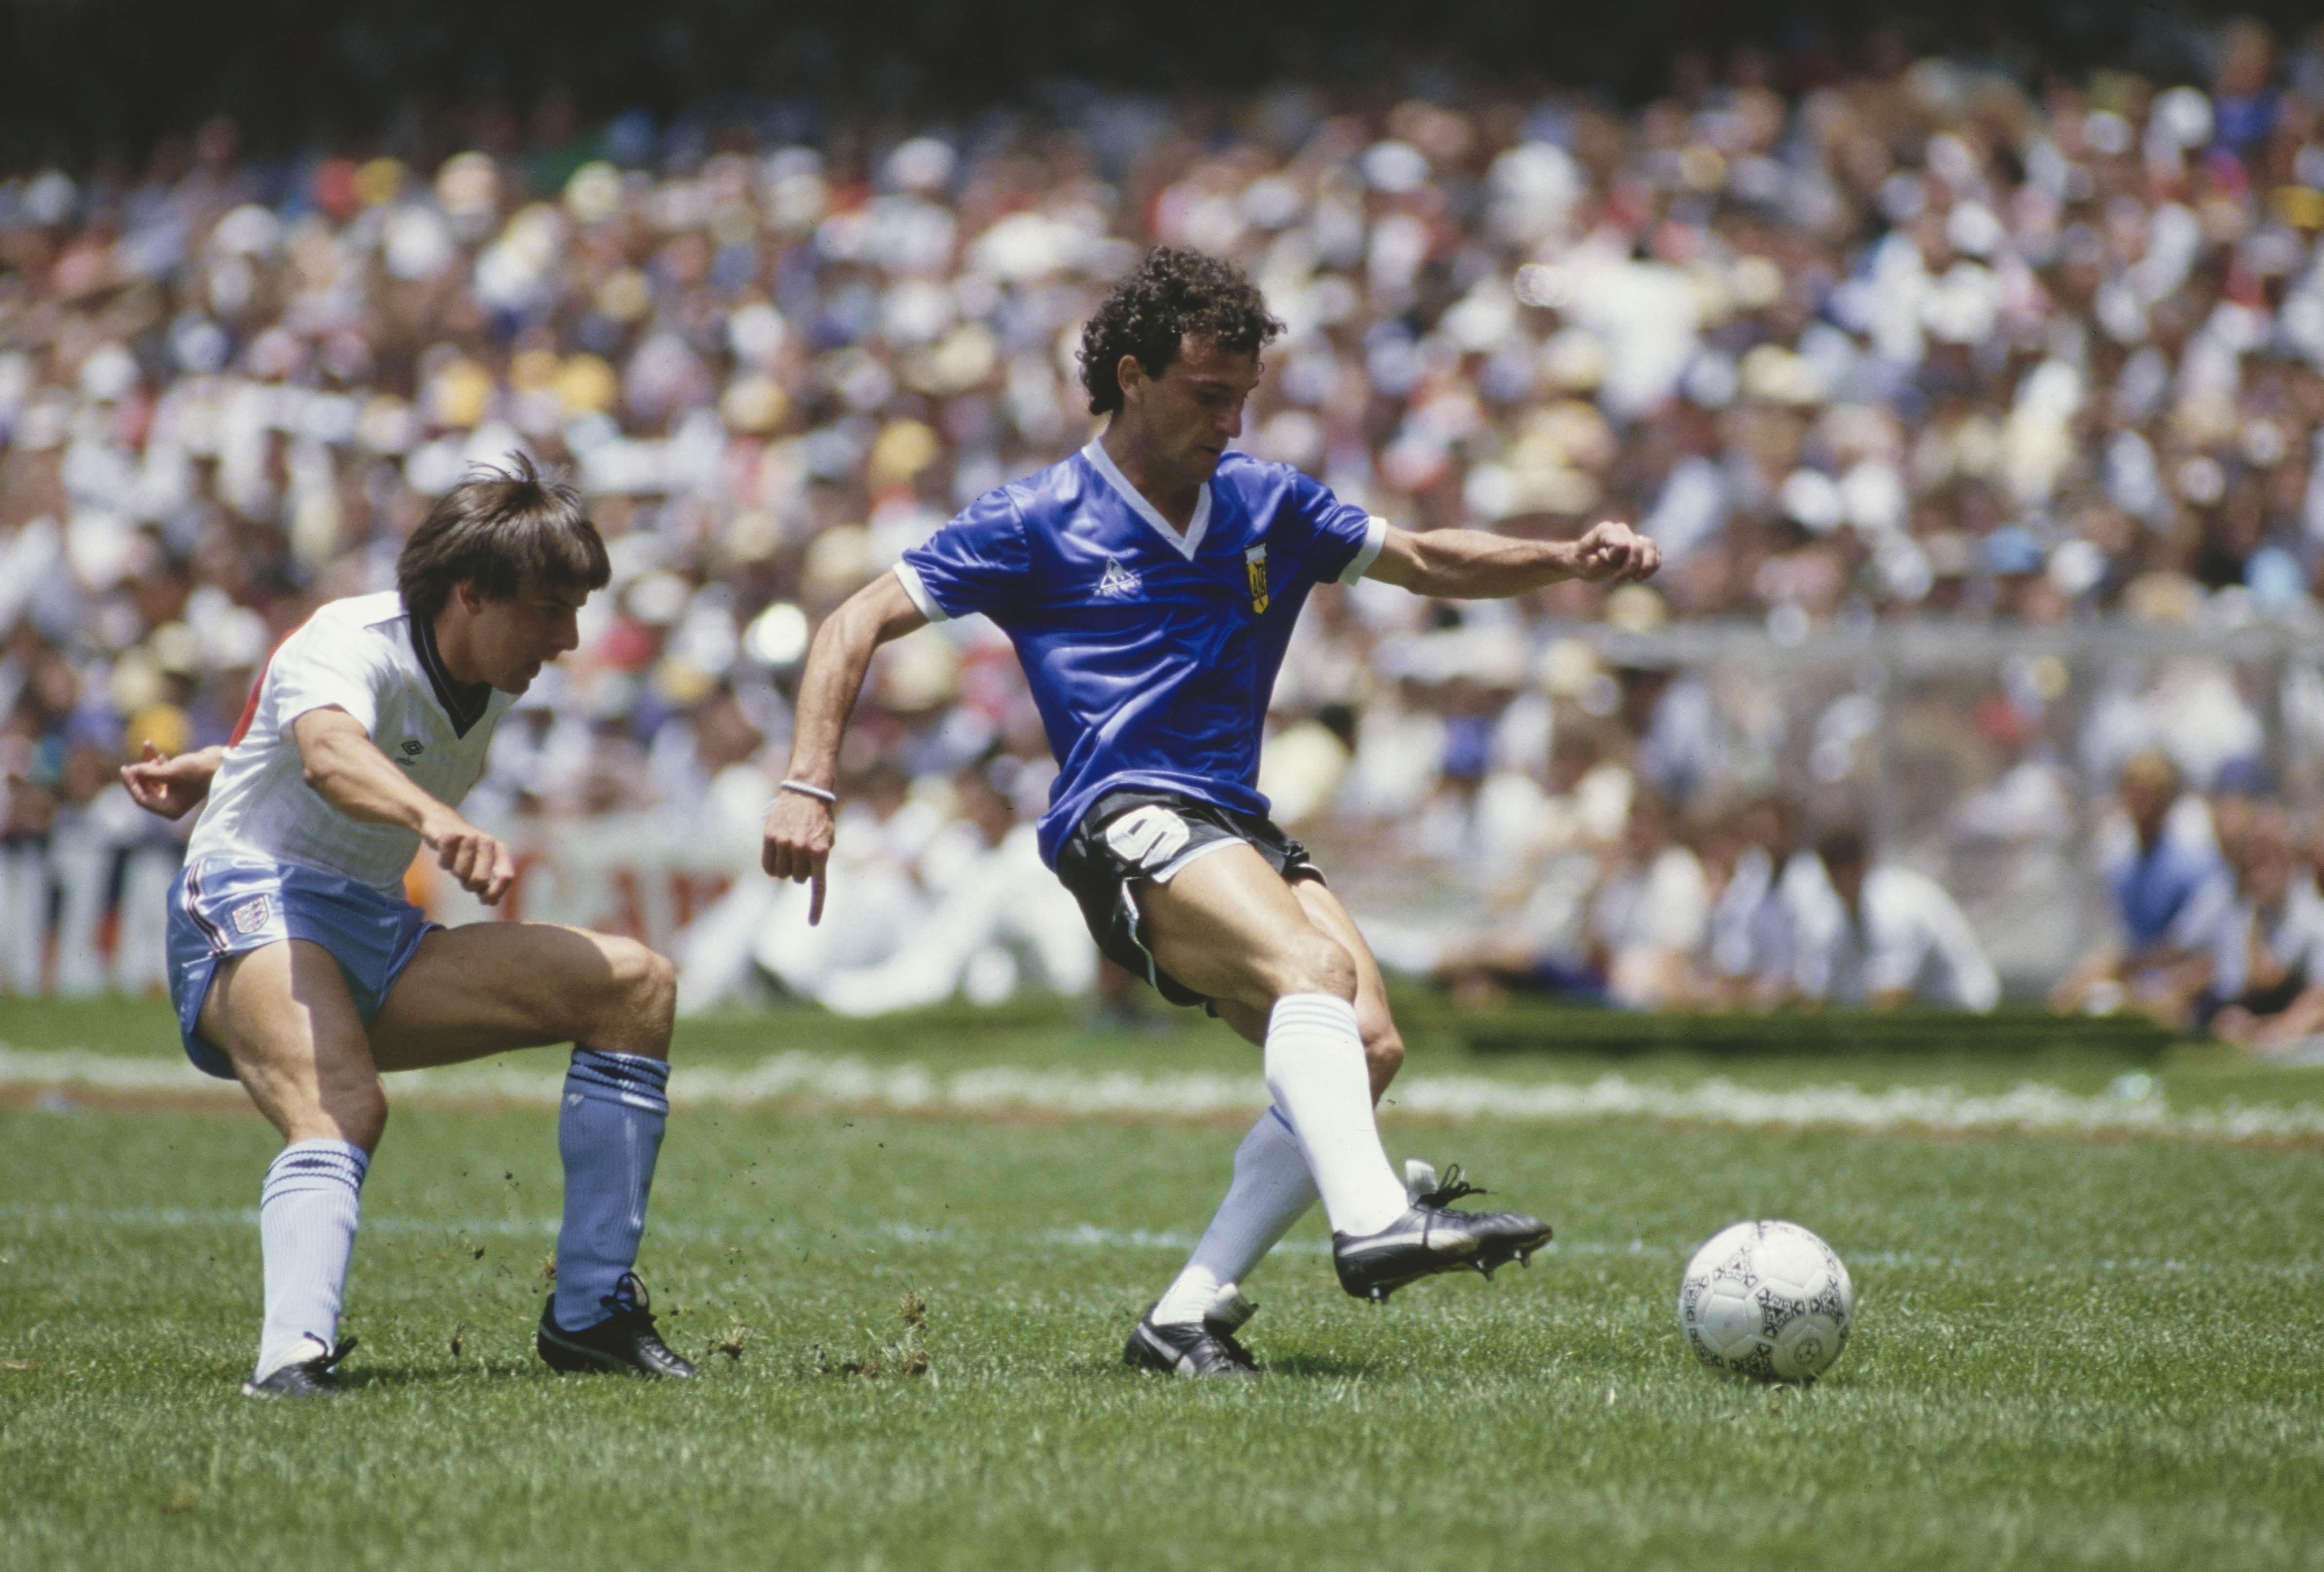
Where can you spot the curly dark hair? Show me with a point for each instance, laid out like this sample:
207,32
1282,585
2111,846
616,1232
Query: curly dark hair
1175,292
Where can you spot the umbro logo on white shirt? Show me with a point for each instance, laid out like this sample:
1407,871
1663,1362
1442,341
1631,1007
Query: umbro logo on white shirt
1118,580
413,748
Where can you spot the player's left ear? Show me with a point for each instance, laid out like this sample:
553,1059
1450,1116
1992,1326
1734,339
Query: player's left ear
1131,374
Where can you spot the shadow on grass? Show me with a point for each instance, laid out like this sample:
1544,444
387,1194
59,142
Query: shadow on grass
1318,1367
399,1377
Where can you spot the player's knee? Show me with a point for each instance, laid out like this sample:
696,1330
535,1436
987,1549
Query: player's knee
657,987
360,1112
1315,963
644,988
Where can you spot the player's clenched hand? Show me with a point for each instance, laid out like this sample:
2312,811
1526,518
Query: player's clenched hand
169,786
481,863
1614,553
798,845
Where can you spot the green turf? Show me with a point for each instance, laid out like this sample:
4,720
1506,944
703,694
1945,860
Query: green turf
2069,1355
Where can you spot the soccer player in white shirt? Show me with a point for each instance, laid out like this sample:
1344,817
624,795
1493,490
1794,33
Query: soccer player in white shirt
298,967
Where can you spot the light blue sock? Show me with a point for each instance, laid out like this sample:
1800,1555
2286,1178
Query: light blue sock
609,1135
307,1215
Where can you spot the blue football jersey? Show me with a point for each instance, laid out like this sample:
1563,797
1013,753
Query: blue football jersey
1152,654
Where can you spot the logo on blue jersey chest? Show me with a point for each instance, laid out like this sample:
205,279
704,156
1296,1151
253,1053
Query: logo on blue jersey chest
1121,580
1117,582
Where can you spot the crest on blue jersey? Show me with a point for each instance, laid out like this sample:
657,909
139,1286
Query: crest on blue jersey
1118,580
1254,567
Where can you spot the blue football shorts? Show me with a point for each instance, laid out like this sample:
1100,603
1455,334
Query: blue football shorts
226,905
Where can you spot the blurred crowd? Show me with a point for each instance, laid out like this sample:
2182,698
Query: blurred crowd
1920,345
2210,919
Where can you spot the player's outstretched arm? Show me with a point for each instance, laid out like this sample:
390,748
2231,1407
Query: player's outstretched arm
797,842
1474,564
346,770
170,786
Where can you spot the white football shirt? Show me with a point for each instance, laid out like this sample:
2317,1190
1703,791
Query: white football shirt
363,655
1912,936
2293,935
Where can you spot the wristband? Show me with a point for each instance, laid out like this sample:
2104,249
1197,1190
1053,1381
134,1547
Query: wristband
828,799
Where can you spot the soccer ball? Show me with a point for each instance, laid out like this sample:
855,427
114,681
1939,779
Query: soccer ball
1768,1300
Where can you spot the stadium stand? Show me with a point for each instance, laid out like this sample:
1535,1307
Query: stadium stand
2005,360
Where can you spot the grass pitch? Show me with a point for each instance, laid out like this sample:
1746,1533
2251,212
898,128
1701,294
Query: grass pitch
2067,1354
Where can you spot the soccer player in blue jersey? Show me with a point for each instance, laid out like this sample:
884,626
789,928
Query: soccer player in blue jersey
1149,584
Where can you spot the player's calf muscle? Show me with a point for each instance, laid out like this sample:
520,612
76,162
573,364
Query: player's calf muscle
1383,1056
282,1015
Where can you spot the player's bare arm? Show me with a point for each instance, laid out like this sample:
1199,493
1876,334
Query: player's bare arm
798,832
1462,565
171,785
348,770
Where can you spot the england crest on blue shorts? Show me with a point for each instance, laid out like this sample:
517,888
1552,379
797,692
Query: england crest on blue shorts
222,907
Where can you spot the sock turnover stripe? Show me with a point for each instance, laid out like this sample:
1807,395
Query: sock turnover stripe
623,1068
584,1075
621,1079
638,1064
1304,1016
298,1161
315,1165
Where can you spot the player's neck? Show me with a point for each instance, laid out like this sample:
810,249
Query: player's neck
456,647
1143,467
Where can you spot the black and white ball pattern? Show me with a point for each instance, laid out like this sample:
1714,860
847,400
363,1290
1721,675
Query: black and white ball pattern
1767,1300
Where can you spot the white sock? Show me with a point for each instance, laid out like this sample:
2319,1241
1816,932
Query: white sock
1316,1068
1272,1190
307,1216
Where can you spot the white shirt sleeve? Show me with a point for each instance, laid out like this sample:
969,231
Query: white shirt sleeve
1915,919
319,668
1678,902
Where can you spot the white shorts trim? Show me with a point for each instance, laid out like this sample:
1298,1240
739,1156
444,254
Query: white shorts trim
1179,864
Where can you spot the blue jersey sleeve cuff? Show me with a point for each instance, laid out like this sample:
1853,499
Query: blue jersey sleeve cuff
1375,537
910,577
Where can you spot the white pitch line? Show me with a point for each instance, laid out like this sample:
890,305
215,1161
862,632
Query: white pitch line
820,1080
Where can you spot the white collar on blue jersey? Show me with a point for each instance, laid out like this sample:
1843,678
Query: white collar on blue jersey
1186,544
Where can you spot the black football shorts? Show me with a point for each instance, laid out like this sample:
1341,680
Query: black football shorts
1133,837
